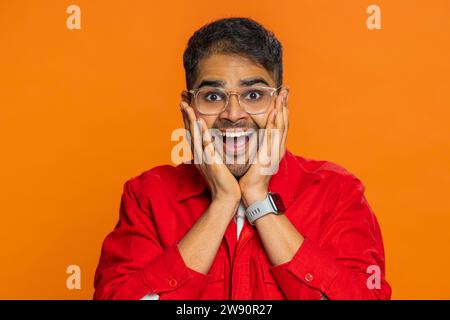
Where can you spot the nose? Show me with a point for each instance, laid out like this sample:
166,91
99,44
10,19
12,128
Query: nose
233,112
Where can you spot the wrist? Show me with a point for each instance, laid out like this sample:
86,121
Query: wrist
226,198
224,206
252,197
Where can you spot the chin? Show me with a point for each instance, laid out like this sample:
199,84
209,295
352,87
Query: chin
238,170
239,165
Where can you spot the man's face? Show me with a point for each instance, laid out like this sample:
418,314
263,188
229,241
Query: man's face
232,73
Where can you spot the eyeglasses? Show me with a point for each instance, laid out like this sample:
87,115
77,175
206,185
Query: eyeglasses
213,101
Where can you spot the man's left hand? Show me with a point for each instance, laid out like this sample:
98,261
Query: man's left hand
254,184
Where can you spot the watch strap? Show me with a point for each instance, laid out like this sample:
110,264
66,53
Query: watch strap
260,209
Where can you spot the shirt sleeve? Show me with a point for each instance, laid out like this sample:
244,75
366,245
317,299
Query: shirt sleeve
133,263
240,216
347,260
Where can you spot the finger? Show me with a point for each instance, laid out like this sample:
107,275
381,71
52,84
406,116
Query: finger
190,114
195,131
286,97
285,121
276,135
285,111
286,117
279,107
281,124
285,131
268,133
206,136
186,125
209,151
186,117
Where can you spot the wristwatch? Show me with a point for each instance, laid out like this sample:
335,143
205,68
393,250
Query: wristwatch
271,204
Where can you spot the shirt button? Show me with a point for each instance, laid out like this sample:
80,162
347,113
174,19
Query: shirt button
173,282
309,277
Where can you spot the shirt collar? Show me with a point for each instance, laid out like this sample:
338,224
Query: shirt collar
291,179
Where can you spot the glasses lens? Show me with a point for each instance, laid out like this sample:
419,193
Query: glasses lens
210,100
256,100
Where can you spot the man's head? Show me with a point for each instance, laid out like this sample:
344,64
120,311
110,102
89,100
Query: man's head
233,55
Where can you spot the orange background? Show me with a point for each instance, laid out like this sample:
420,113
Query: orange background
84,110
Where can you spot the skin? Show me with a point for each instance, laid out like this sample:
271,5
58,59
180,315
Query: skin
231,183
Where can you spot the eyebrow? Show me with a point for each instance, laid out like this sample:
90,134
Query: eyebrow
242,83
211,83
252,81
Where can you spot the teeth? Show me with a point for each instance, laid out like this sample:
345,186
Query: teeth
235,134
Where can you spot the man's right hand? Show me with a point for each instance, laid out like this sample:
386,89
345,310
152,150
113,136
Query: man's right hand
223,185
199,246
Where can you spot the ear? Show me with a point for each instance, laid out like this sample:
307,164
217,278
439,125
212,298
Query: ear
186,97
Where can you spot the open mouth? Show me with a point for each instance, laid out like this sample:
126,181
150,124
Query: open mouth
236,141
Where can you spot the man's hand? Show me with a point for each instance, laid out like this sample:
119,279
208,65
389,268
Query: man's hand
199,246
254,184
221,182
280,238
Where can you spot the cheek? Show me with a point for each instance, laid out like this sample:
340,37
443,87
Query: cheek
208,119
261,120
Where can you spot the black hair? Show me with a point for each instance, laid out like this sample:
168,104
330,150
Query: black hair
241,36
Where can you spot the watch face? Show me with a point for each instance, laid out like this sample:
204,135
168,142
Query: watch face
278,202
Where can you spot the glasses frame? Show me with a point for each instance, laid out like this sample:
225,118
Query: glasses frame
228,94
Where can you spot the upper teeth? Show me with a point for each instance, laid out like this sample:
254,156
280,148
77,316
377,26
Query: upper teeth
235,134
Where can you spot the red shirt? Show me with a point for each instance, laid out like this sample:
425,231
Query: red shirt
325,203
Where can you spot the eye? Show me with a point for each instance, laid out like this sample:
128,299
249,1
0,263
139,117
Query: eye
212,96
253,95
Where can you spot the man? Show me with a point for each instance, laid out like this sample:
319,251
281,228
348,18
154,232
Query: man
226,228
